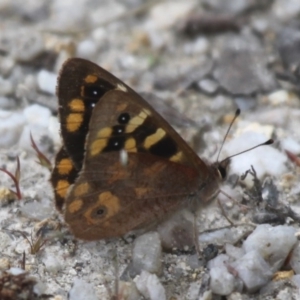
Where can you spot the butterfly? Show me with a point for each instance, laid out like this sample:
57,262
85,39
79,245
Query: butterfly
122,166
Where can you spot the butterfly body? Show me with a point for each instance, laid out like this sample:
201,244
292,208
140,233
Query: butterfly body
102,194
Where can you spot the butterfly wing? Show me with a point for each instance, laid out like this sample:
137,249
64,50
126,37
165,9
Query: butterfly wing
114,195
81,84
63,176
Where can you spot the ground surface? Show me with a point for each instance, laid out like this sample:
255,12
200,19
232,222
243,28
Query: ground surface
205,59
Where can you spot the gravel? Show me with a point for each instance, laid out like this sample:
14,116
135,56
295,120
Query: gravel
196,81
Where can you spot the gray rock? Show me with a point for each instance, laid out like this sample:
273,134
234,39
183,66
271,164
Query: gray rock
82,290
243,72
295,259
208,86
221,281
288,45
273,243
147,253
11,127
177,233
150,287
254,271
231,7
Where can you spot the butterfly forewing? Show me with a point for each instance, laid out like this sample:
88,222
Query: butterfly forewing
63,176
81,85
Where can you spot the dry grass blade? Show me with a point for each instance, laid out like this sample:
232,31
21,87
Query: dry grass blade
35,245
294,158
43,160
15,178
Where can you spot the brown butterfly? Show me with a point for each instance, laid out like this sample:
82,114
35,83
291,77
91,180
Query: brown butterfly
122,166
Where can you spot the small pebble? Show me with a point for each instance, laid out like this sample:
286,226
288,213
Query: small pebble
243,72
176,11
26,45
128,291
81,290
61,9
6,65
177,232
52,263
296,280
5,240
87,49
108,10
285,10
234,252
295,259
47,81
228,6
147,253
4,264
221,281
37,115
11,127
254,271
40,288
7,103
291,145
6,87
150,286
220,237
279,97
37,210
208,86
16,271
54,131
199,46
266,160
273,243
221,260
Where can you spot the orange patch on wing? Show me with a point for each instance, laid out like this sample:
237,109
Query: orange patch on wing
77,105
81,189
74,121
105,132
130,145
75,206
97,146
90,79
137,121
177,157
62,188
65,166
121,107
110,202
154,138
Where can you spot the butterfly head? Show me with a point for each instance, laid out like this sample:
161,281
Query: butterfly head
222,167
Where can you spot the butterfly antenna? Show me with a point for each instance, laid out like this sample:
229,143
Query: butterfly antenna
237,113
268,142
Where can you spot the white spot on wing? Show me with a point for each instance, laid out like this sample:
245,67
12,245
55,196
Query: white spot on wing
123,157
121,87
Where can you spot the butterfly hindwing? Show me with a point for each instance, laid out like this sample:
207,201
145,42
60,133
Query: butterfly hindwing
109,190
